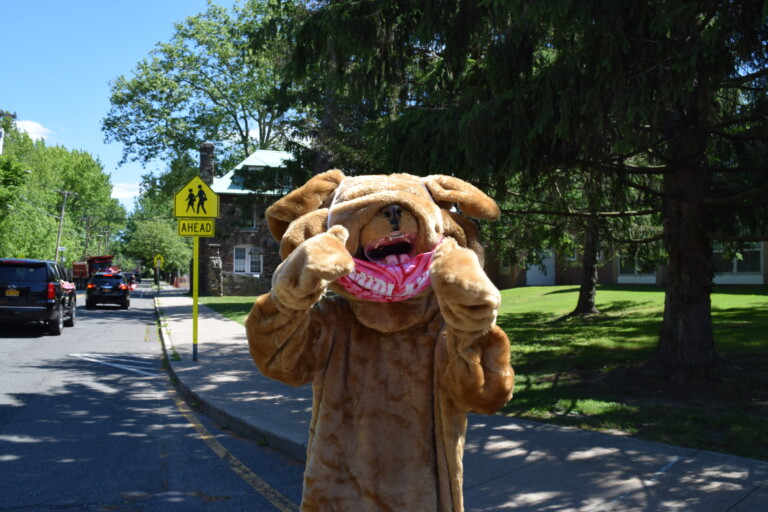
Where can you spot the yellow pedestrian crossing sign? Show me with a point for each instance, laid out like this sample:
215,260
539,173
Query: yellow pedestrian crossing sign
196,200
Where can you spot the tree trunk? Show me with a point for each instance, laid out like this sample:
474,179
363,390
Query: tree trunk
588,289
686,345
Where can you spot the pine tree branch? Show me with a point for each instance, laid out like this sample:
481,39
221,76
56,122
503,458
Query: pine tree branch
585,215
721,237
737,198
738,137
760,168
739,81
648,240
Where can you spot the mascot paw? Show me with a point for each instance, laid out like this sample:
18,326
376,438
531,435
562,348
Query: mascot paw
468,300
300,281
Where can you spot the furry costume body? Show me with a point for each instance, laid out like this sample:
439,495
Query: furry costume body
392,382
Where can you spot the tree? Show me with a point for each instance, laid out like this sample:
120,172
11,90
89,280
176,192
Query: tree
151,237
667,99
41,177
206,84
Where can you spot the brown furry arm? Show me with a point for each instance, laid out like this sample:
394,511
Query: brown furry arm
280,344
288,335
475,371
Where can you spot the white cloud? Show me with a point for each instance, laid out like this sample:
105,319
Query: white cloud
125,190
34,129
126,193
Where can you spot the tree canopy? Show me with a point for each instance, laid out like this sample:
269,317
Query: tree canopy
36,180
205,84
661,105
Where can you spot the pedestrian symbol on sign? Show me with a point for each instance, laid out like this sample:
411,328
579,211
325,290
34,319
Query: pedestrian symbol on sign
196,200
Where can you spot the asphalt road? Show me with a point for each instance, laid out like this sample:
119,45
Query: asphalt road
90,421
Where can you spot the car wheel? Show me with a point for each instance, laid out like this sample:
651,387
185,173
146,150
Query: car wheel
89,304
70,322
125,304
55,327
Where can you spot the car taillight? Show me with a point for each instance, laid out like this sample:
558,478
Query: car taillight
51,291
91,285
123,287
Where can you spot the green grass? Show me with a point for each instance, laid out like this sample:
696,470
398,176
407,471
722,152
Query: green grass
234,308
590,372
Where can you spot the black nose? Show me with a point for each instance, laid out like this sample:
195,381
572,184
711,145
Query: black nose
393,213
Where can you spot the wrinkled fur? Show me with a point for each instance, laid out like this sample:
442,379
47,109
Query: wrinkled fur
392,382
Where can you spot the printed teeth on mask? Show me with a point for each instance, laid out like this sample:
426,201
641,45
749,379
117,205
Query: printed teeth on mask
392,250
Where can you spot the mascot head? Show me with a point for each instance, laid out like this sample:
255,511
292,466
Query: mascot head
395,223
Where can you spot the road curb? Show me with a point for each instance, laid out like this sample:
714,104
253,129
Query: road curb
228,421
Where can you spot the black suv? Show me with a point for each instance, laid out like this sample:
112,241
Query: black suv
107,288
36,290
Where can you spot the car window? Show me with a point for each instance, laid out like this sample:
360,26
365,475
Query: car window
107,280
23,273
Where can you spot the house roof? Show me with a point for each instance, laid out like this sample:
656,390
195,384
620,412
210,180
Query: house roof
229,184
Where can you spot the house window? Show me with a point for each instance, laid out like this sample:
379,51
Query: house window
248,259
747,263
249,221
746,269
635,271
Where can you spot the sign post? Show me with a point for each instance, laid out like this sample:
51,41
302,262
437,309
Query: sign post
159,263
196,206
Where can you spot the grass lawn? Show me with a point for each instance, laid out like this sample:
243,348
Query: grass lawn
589,373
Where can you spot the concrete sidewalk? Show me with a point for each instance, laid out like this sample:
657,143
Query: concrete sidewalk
509,464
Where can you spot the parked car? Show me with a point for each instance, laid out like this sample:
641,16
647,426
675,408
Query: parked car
108,288
36,291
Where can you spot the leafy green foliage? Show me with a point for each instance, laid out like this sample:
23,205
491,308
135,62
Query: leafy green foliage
638,121
37,178
151,237
205,84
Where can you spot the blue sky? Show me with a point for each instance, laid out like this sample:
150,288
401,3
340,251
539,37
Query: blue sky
58,58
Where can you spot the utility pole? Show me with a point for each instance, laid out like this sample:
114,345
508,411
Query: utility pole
61,221
87,236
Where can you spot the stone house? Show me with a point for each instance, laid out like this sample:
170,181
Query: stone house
559,269
248,253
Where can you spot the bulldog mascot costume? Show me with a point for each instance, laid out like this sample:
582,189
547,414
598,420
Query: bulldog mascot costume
405,347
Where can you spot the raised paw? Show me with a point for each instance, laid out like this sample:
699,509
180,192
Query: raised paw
468,300
301,279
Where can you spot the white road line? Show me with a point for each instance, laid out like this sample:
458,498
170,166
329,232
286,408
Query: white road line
105,360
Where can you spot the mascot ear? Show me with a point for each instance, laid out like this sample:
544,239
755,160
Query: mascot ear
447,191
306,226
311,196
464,231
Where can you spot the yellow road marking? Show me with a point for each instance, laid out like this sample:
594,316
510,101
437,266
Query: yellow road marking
282,503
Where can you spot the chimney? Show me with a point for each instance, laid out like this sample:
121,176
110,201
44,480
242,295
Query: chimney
207,164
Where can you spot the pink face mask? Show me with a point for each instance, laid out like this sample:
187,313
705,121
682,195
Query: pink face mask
389,283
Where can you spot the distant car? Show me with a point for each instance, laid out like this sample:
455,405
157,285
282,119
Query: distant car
108,288
36,291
